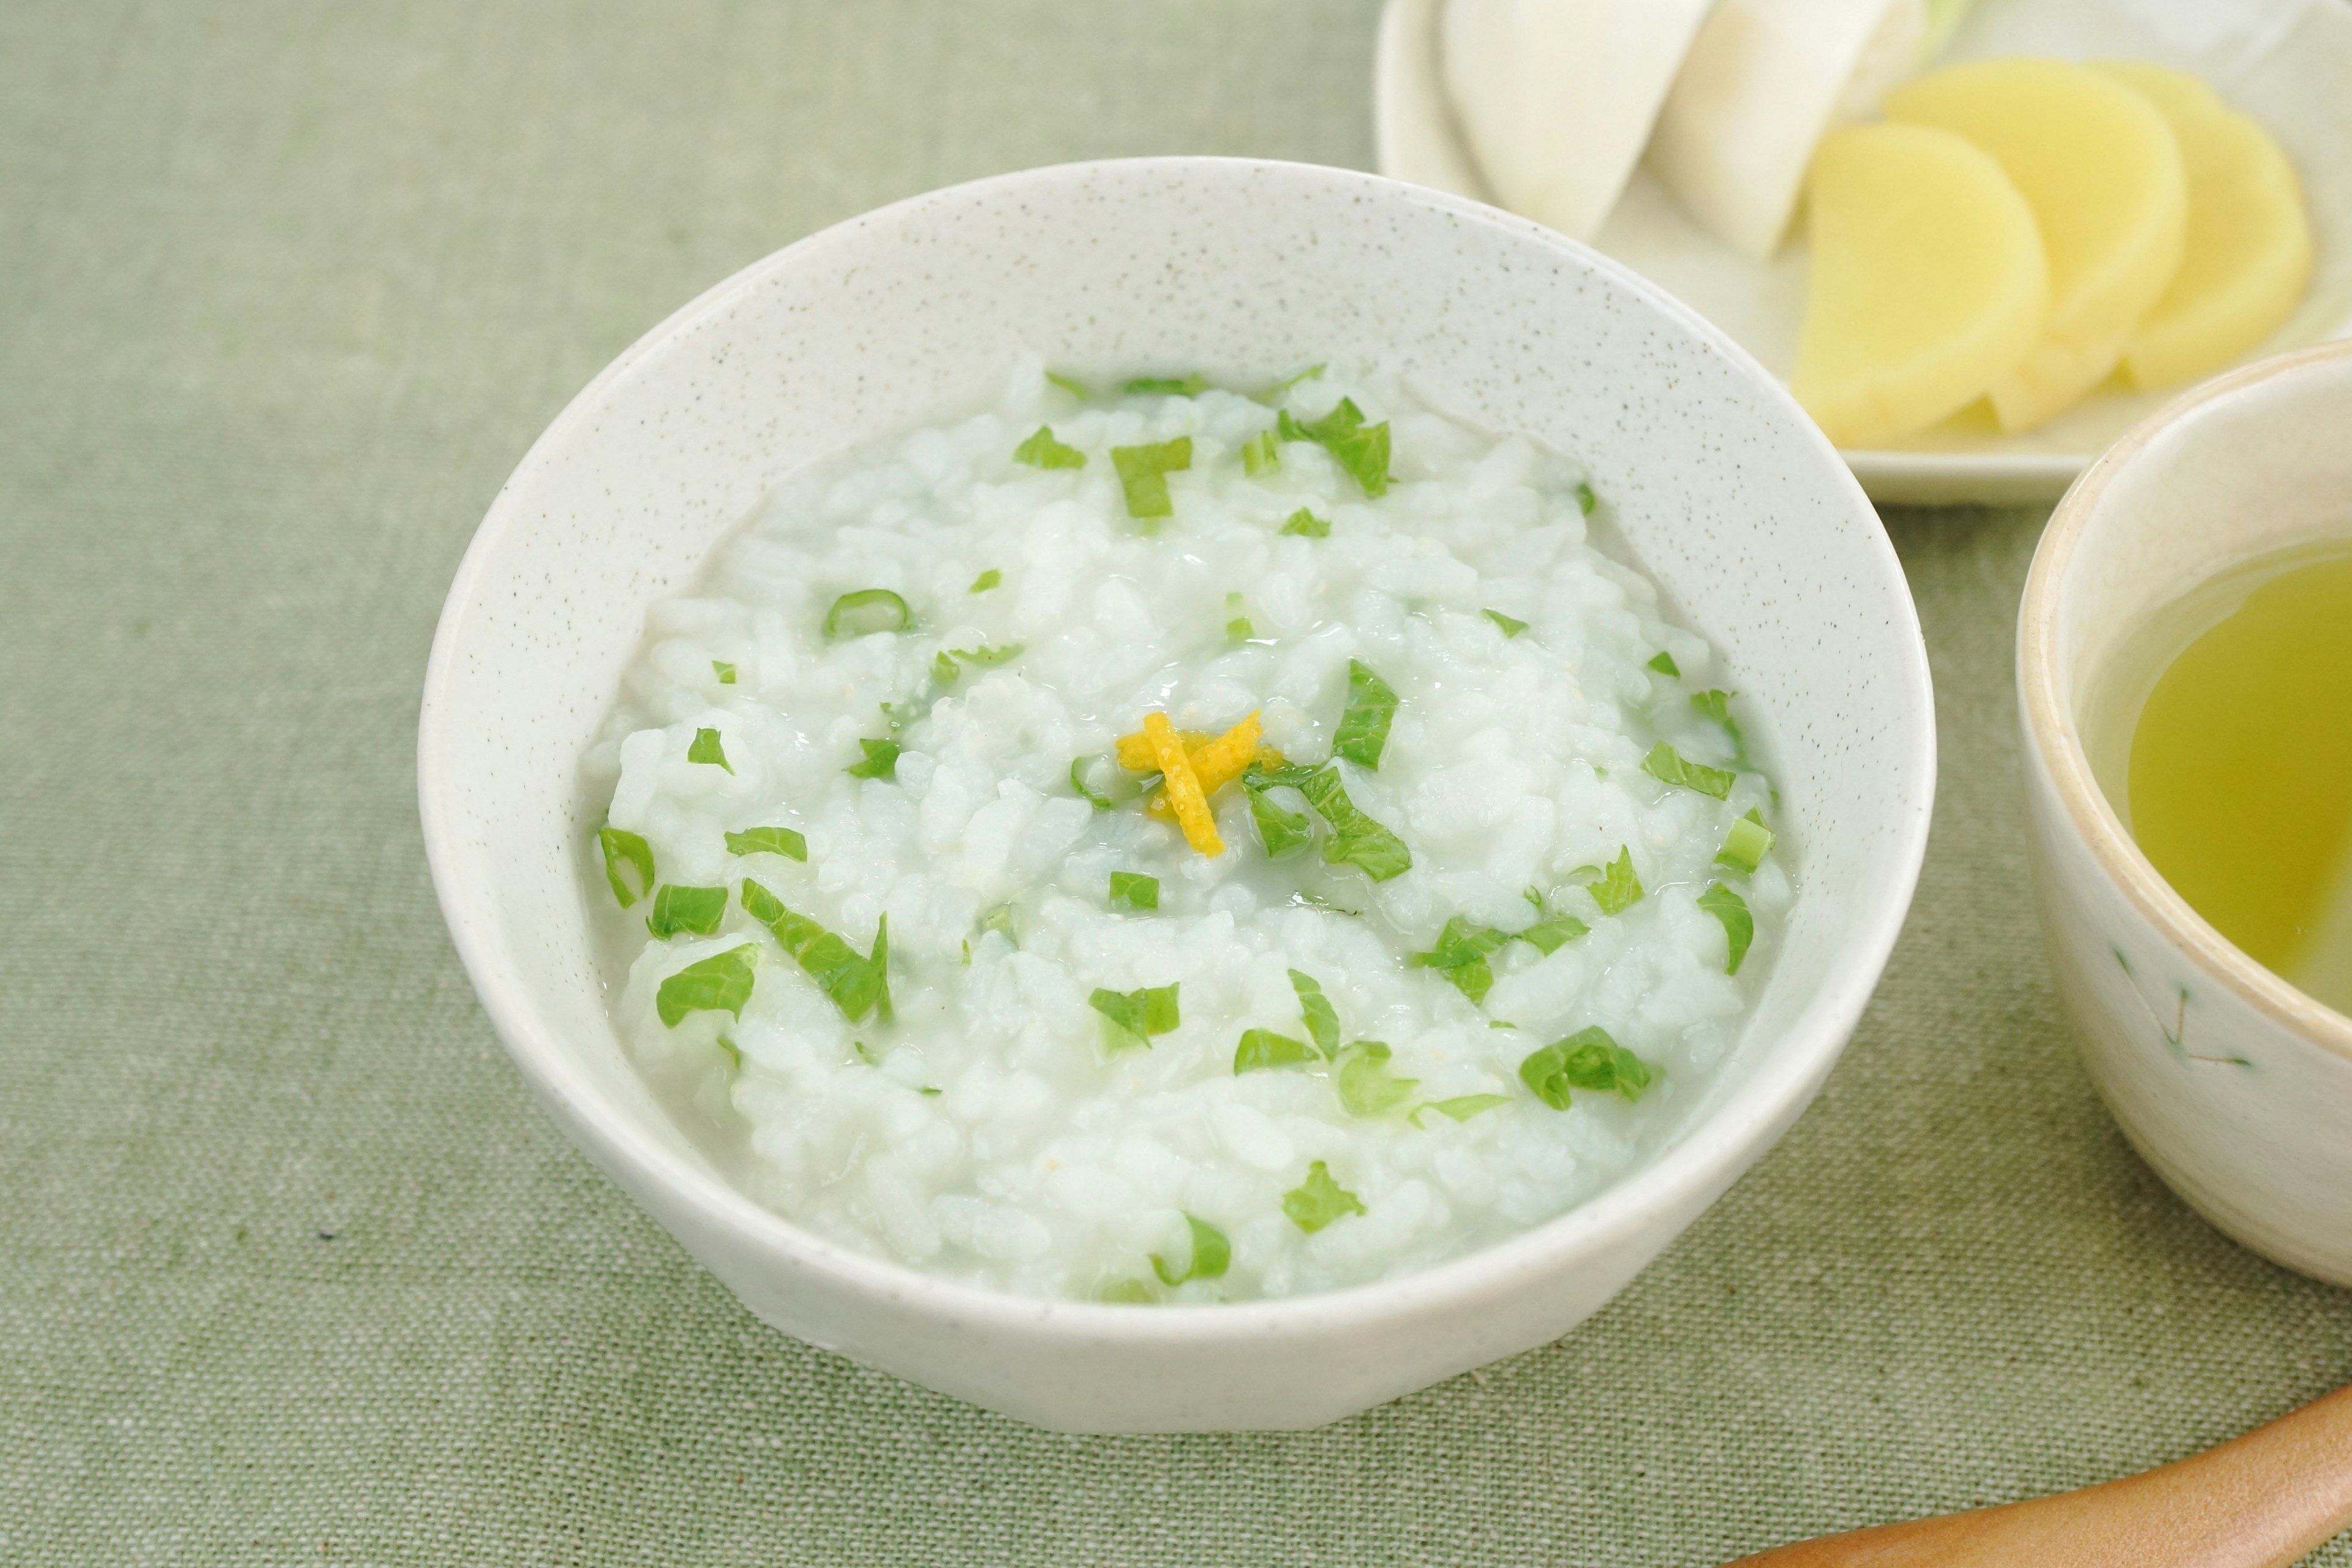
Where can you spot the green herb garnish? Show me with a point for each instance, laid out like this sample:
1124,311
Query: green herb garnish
1461,956
1585,500
1461,1108
1263,1049
1716,705
1362,449
1364,726
707,749
1664,665
1261,454
1000,921
1512,626
856,984
1745,846
1367,1087
1042,451
986,654
1306,525
985,581
1589,1060
1092,796
724,670
1143,475
1283,833
734,1053
1135,888
621,849
1319,1200
1132,1017
1618,888
1238,628
1549,936
866,611
1738,925
1312,372
782,841
696,909
1670,766
1210,1253
1356,840
881,761
1166,386
1322,1020
1071,385
719,983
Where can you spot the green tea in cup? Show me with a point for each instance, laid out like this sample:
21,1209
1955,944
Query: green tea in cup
2223,736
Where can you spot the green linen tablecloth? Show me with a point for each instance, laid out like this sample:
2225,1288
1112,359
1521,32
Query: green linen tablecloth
291,1270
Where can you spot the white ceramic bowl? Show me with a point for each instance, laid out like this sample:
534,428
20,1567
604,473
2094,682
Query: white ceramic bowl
2236,1086
1732,500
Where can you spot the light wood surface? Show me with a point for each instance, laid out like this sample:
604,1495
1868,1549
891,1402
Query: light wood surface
2262,1501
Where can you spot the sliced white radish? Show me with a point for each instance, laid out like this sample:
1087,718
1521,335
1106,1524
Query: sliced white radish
1557,96
1763,81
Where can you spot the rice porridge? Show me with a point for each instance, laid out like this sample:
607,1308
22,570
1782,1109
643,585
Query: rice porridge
1158,843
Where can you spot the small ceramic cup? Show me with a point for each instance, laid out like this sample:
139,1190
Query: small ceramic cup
2234,1085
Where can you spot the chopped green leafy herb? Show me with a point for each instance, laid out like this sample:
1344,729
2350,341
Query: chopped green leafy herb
1618,888
1716,705
723,670
1240,629
696,909
1319,1200
1461,1108
1362,449
1071,385
856,984
707,749
1166,386
927,1089
1306,525
1322,1020
1143,475
621,849
1261,454
1210,1253
1132,1017
866,611
988,654
1312,372
881,761
1738,925
1589,1059
865,1053
1745,846
985,581
1664,665
1092,796
734,1053
944,670
768,841
1000,921
1367,1087
1500,1023
1512,626
719,983
1283,833
1261,1049
1461,955
1135,888
1585,500
1356,840
1042,451
1364,726
1549,936
1670,766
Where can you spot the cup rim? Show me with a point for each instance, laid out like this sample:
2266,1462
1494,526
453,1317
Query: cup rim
2049,719
1700,1163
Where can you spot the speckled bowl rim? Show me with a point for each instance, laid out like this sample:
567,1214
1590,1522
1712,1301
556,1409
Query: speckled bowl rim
1790,1071
2050,720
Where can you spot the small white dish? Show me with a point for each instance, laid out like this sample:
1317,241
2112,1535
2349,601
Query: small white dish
2287,62
2233,1084
1714,476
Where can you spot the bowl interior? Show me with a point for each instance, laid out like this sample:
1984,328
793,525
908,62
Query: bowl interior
1725,491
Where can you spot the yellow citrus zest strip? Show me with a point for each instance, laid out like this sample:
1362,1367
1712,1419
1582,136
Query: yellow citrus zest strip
1219,763
1184,788
1136,756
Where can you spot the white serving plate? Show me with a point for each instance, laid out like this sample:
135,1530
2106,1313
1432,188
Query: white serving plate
2287,62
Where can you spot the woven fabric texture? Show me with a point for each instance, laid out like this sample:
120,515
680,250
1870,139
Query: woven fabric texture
291,1271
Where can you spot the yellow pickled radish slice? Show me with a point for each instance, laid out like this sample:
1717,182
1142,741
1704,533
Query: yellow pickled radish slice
2102,173
2247,259
1928,282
